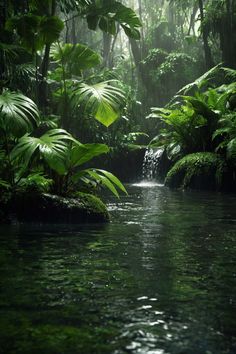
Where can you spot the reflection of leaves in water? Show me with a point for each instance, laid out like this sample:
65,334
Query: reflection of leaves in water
99,245
162,279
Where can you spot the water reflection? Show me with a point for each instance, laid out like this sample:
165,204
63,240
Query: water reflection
160,278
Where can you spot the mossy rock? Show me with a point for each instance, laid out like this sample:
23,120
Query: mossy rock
202,170
48,208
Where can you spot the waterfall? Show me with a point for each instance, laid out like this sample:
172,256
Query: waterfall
151,162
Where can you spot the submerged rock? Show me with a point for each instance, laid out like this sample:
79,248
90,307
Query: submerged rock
48,208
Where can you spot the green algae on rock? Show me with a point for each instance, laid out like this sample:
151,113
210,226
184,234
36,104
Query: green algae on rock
48,208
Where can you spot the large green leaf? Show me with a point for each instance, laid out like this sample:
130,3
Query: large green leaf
113,179
107,179
128,20
51,146
82,153
75,58
18,113
103,100
50,29
106,14
36,31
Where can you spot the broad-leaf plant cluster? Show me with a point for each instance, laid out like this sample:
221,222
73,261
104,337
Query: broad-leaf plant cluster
46,85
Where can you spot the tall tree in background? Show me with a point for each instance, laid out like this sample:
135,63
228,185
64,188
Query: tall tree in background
207,50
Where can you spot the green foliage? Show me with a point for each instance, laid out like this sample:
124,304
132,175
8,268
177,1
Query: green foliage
35,31
18,113
204,124
74,58
103,100
200,81
226,136
155,57
189,127
36,152
63,154
82,153
105,178
167,72
51,147
67,6
175,62
187,171
105,14
35,182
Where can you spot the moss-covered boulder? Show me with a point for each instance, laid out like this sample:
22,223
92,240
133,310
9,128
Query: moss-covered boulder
202,170
48,208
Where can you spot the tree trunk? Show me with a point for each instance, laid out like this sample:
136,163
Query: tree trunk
228,37
3,16
43,87
207,49
107,39
192,20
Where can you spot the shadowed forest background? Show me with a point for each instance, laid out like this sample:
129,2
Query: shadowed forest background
64,63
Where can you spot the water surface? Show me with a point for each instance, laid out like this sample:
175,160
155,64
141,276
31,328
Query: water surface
159,279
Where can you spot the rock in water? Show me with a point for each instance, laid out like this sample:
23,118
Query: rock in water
48,208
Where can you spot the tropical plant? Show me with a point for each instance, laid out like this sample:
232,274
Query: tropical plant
64,159
103,100
35,31
105,14
18,113
226,136
199,170
188,128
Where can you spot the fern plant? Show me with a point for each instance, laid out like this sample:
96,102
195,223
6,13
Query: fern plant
199,170
226,136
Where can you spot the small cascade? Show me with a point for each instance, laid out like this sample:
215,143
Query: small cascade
151,162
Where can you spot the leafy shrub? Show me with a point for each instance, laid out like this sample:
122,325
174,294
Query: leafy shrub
202,170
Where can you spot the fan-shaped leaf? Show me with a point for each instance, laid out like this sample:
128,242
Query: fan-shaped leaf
52,147
103,100
18,113
81,153
75,57
50,29
36,31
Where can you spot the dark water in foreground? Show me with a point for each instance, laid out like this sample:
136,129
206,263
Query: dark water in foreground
160,278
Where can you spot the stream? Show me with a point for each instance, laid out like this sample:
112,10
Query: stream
159,278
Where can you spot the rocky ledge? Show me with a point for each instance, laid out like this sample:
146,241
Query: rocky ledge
48,208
